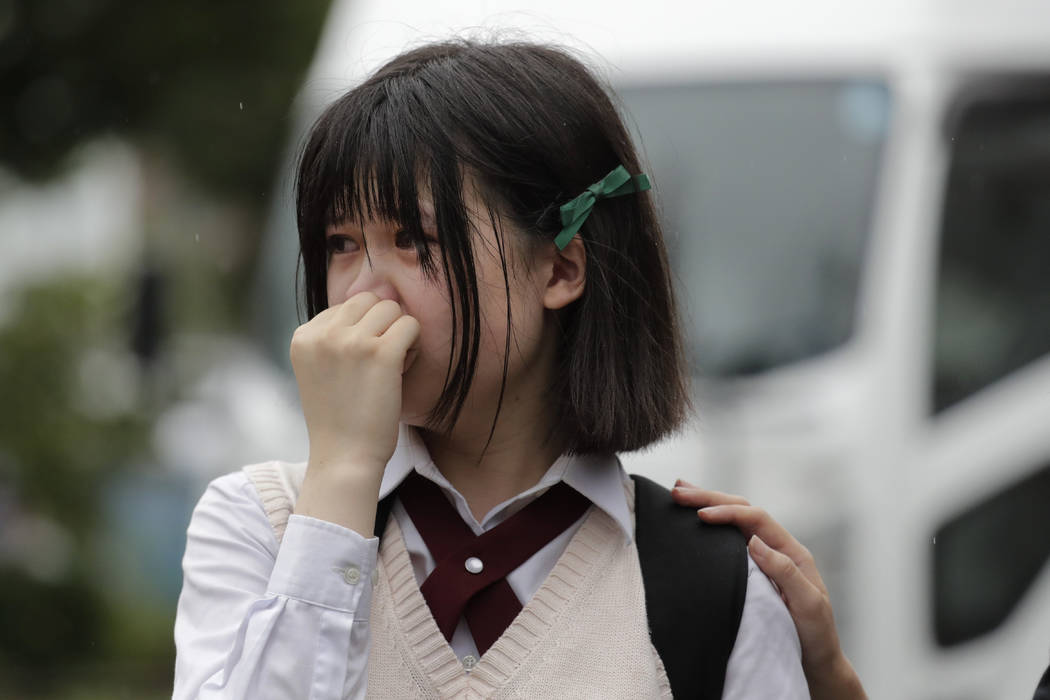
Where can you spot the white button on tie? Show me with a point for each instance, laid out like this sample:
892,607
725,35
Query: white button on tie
469,661
352,575
473,565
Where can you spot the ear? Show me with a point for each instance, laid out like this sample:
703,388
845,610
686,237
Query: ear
567,274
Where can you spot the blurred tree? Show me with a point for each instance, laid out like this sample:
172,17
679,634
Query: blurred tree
203,91
64,427
207,83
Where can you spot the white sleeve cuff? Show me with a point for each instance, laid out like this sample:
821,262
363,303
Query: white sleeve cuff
325,564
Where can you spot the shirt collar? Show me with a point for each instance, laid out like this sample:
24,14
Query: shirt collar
600,478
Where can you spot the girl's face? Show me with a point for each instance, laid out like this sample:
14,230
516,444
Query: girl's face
391,270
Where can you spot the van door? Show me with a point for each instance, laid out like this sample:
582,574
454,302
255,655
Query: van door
981,537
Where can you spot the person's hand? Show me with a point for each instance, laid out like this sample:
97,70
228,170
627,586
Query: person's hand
792,568
348,362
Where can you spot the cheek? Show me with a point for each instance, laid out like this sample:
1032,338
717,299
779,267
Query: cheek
337,281
427,303
333,298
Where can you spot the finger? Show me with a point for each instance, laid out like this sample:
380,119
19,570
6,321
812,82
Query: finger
689,495
319,320
377,319
353,309
752,520
400,338
800,594
794,550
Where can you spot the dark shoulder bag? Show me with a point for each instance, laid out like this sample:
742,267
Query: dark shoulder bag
695,578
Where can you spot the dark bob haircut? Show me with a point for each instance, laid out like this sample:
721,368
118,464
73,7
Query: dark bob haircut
532,127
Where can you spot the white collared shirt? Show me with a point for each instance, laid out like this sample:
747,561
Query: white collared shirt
258,620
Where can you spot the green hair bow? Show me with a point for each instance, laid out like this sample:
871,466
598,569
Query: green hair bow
575,212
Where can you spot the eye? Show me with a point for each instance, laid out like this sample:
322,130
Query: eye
340,244
404,241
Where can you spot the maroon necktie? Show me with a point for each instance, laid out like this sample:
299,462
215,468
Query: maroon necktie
469,579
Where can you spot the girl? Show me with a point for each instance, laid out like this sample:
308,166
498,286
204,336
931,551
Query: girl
491,321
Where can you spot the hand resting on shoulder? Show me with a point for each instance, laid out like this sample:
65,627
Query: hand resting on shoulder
792,568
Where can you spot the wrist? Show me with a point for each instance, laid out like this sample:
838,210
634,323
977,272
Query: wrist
835,680
346,451
344,492
339,466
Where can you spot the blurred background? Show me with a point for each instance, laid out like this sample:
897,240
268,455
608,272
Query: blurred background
857,200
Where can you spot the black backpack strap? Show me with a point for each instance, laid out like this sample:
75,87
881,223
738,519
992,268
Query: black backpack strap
695,578
383,514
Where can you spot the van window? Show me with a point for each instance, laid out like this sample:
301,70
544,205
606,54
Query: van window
766,189
993,288
987,556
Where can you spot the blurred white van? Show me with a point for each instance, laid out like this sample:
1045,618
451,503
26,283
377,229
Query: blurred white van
857,197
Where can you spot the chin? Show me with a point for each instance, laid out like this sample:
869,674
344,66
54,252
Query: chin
414,420
412,411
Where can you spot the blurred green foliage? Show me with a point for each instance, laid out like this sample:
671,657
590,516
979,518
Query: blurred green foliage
208,83
57,446
202,91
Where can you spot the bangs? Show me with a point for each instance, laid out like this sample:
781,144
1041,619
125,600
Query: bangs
378,157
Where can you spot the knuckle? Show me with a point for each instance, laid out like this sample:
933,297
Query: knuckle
348,345
757,516
300,342
784,567
752,515
810,605
330,339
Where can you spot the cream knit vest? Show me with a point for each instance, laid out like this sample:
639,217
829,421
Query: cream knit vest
583,635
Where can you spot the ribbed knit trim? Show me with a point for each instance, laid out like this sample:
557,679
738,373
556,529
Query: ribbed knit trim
276,492
588,554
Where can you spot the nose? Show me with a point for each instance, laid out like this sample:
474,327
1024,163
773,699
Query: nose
374,278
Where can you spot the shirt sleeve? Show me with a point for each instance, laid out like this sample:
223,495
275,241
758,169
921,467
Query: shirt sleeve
766,661
255,620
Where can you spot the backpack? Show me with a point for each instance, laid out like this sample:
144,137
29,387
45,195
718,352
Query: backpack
694,574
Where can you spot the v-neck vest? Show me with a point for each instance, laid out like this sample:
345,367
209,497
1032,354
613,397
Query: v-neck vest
584,634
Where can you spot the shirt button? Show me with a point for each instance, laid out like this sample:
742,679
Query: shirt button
352,575
473,565
469,661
